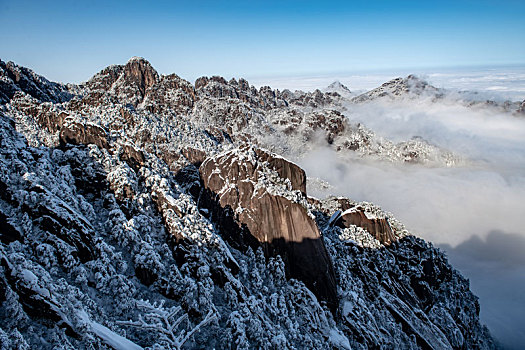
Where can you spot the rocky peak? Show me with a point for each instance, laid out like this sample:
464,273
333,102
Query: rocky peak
201,82
127,84
216,86
105,78
138,71
339,88
411,86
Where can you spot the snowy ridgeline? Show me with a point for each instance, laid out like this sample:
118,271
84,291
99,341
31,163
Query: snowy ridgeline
105,244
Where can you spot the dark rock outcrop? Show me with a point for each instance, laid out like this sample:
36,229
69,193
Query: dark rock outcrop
133,156
84,134
193,155
9,233
244,198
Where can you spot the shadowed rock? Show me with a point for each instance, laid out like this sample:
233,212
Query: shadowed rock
83,134
133,156
14,78
257,198
194,155
36,300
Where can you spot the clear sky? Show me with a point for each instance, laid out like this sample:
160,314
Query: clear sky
69,41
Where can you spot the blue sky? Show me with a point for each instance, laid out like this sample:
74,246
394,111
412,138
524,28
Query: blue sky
70,41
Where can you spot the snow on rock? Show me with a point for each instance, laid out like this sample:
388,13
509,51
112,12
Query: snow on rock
379,227
408,87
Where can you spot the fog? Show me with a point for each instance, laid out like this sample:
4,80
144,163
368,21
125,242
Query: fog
474,211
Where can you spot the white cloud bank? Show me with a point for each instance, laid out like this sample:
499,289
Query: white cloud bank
475,210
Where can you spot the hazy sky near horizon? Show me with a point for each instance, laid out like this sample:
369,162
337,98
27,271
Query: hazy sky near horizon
70,41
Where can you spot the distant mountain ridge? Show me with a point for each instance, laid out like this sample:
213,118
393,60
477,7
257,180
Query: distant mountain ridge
411,86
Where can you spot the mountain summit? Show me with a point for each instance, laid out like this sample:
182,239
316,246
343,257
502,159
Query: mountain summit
339,88
408,87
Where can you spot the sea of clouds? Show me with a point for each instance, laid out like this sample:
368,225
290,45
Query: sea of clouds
474,211
497,83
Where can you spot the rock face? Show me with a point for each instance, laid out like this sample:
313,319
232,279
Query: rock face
133,156
138,83
378,227
170,93
84,134
285,169
252,185
138,75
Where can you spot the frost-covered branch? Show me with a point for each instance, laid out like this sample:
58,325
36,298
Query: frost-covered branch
166,323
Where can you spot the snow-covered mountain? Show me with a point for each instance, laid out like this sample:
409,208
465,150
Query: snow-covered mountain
408,87
138,210
414,88
339,88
